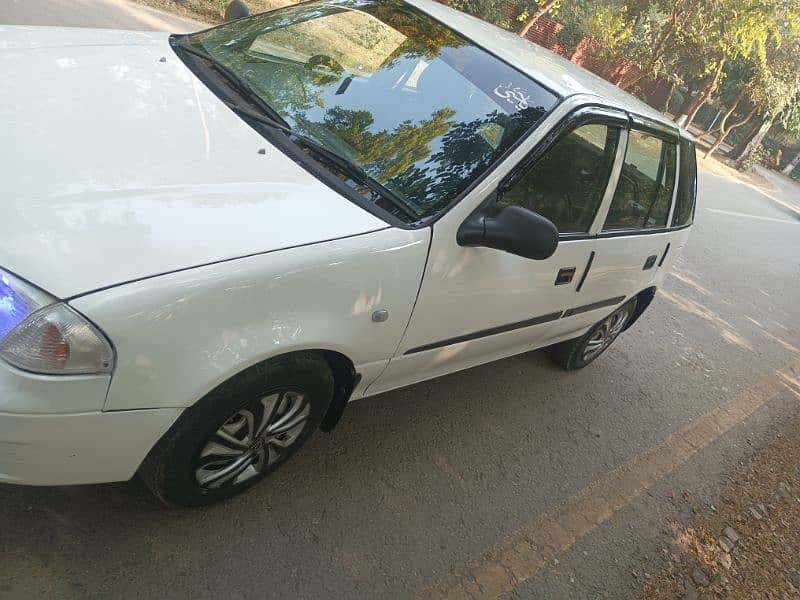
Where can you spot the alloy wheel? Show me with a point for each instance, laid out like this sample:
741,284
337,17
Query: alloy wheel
605,333
252,439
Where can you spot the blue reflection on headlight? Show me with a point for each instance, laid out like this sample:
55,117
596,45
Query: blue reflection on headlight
13,307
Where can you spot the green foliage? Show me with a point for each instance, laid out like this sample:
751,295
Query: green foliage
536,5
573,16
676,100
493,11
609,29
756,157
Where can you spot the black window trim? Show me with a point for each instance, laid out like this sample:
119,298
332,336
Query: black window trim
661,166
601,114
689,143
654,128
665,133
586,114
591,114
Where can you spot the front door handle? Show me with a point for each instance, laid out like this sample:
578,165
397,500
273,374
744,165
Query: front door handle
664,256
651,260
565,275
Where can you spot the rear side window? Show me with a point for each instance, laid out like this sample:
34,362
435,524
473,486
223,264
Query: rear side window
687,186
567,183
644,191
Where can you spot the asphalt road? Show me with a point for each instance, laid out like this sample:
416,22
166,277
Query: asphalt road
529,481
112,14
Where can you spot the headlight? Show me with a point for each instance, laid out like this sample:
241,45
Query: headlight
40,334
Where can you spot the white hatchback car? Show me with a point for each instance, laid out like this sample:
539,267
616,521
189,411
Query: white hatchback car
211,242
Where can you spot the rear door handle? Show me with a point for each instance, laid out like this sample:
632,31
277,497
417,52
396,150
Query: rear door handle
651,260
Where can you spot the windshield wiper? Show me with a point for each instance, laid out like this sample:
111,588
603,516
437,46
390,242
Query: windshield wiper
340,162
236,82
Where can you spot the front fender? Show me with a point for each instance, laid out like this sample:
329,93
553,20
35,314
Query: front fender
179,335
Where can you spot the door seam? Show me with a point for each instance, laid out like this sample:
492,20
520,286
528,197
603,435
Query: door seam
410,316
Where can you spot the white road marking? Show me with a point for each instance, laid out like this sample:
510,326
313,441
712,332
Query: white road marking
749,216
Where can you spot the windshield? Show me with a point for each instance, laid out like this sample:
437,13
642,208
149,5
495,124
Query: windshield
422,110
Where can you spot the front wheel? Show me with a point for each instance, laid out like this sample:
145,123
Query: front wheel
240,432
577,353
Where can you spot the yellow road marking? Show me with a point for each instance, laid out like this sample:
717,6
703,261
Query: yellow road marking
521,555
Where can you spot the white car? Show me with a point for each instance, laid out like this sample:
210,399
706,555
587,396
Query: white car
211,242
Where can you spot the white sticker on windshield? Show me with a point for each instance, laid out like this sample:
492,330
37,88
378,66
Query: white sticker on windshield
513,94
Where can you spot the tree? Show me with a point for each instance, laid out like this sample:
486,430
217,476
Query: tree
724,128
493,11
787,170
656,32
776,89
609,29
698,101
530,19
727,30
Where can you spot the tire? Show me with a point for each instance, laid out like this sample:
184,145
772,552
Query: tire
240,432
576,353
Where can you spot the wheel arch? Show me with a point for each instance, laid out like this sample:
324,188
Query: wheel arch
643,300
345,379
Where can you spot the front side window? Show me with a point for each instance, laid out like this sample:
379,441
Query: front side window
687,186
423,111
644,191
567,183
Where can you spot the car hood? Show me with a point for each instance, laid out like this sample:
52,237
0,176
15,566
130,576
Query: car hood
118,164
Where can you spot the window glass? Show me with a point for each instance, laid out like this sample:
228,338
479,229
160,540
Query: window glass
567,183
687,186
421,109
644,192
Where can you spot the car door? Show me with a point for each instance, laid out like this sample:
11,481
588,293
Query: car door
634,244
479,304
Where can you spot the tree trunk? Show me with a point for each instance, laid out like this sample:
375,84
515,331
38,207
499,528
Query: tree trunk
705,94
681,12
670,91
787,170
626,84
724,130
754,142
531,20
739,149
688,100
658,51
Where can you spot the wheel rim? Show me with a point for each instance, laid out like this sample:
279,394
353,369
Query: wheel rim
605,333
252,439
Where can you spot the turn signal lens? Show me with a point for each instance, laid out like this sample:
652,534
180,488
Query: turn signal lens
56,340
18,299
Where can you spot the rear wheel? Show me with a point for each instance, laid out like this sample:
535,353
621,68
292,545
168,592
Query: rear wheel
577,353
240,432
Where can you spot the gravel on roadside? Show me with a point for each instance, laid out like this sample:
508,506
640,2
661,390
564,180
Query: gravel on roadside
210,11
748,547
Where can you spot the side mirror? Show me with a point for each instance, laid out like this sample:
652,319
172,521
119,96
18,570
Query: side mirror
236,9
511,228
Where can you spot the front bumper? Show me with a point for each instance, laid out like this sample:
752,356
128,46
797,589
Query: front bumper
67,449
53,430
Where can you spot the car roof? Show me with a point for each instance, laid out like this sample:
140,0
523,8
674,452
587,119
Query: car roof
545,67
